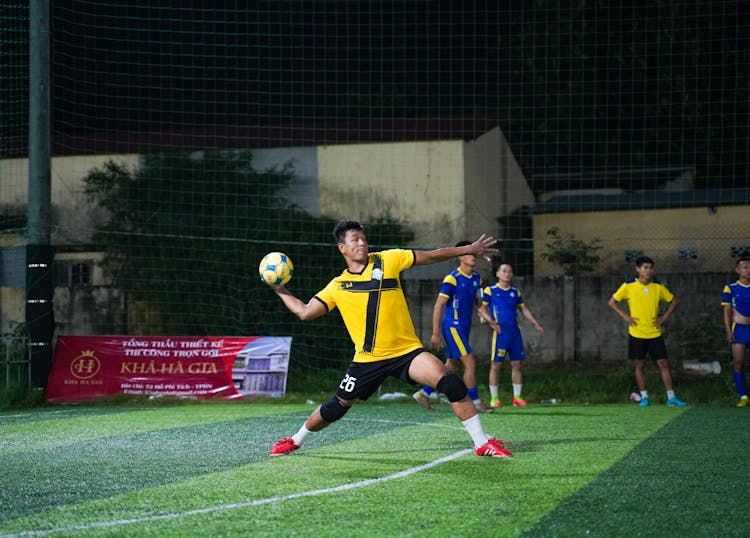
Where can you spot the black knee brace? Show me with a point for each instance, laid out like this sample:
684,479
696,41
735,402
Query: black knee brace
452,386
333,410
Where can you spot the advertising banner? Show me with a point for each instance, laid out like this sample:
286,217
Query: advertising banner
87,367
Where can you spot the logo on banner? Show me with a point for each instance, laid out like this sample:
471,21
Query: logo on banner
86,365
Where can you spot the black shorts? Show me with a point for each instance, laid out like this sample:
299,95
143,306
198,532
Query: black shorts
362,379
640,348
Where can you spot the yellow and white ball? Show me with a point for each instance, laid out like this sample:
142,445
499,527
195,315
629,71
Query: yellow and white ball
275,269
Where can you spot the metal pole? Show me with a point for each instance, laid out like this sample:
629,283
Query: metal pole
39,313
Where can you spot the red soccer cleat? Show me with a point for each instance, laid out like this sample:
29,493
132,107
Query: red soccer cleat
283,447
493,449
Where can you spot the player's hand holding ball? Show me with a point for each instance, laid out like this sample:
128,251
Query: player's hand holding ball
276,269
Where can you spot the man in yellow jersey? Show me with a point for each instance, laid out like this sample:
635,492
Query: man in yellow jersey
643,295
369,295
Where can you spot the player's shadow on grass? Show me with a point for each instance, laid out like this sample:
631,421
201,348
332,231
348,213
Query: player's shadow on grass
550,413
439,450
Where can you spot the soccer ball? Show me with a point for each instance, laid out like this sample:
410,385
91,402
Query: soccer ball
275,269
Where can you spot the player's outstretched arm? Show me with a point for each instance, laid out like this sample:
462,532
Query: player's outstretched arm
313,309
482,248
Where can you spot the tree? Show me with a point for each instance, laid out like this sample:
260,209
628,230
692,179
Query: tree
575,256
183,237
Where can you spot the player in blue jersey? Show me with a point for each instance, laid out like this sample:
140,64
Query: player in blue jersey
459,296
736,302
501,304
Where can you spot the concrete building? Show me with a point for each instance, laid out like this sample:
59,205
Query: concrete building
448,179
684,231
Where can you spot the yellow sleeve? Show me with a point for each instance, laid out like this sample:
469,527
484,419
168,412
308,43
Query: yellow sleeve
621,293
326,295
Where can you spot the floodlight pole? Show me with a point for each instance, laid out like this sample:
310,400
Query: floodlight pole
39,313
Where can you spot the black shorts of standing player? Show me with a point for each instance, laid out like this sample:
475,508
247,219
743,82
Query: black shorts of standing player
640,348
362,379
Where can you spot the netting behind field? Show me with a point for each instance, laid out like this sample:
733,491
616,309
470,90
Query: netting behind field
14,114
191,138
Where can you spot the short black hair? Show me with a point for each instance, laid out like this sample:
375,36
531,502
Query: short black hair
343,226
463,243
497,262
743,259
640,260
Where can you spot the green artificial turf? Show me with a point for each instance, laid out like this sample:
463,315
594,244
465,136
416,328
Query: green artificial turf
204,470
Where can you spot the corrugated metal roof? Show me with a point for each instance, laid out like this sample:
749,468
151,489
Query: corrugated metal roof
644,200
277,135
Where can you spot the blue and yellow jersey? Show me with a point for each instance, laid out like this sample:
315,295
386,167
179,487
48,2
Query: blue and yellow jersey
461,291
643,303
738,296
503,304
373,306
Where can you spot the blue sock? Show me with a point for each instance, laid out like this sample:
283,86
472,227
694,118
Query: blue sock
739,382
473,394
427,390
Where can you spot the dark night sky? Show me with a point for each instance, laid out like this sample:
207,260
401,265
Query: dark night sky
279,60
643,85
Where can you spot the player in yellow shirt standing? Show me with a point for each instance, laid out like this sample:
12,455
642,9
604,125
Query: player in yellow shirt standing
645,338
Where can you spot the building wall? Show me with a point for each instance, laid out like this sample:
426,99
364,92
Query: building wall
678,239
304,160
72,216
89,310
12,308
495,185
580,327
73,219
422,182
449,190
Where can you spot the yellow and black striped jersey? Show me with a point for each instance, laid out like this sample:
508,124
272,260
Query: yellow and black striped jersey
373,306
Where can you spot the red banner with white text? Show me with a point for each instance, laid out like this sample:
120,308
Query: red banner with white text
87,367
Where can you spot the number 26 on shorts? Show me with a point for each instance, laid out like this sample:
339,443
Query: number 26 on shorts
347,384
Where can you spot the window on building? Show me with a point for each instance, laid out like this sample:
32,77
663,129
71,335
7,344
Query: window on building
74,273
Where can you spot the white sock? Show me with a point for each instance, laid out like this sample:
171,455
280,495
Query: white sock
474,428
670,394
644,394
493,391
517,390
299,437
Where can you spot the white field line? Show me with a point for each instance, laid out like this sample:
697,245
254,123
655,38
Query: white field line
247,504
